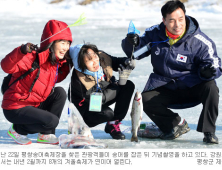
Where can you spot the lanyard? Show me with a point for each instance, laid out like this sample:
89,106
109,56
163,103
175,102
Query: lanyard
158,42
97,82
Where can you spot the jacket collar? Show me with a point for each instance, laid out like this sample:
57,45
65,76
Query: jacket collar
192,26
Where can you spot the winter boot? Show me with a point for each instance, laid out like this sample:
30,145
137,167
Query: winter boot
114,130
210,138
177,131
47,139
20,139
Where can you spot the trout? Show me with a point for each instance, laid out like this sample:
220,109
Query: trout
136,115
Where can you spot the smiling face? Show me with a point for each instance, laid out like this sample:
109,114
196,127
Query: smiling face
60,48
175,22
91,60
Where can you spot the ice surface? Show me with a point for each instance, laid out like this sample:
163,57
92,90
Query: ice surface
21,22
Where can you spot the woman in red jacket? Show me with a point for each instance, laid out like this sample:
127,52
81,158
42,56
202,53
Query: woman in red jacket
38,110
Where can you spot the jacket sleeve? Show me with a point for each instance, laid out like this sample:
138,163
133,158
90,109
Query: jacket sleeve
143,40
116,61
16,61
207,54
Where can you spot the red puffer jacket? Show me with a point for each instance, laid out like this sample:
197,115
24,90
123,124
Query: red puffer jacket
17,63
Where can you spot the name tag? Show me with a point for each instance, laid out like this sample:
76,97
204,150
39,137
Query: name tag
95,103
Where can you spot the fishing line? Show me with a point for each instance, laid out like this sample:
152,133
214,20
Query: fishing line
80,21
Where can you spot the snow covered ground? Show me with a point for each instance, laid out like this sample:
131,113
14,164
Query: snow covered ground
23,21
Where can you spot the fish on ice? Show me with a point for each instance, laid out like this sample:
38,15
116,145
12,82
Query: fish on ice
136,115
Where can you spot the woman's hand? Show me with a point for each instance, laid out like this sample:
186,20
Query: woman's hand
123,74
28,48
130,63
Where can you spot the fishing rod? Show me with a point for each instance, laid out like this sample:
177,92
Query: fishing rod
132,30
80,21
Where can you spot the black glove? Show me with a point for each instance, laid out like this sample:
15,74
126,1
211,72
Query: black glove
208,71
28,48
131,64
133,39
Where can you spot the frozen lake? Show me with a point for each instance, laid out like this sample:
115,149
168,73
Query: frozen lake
107,34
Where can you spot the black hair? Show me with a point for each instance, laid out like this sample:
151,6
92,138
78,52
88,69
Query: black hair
171,6
52,57
84,52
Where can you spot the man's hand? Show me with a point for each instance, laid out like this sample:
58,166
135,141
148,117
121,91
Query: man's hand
133,39
28,48
208,71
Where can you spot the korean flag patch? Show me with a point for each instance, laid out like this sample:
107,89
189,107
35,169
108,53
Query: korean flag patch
181,58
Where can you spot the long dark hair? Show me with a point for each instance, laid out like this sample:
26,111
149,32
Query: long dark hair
84,52
52,57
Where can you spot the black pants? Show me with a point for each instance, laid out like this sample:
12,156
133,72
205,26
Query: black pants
156,102
122,102
44,119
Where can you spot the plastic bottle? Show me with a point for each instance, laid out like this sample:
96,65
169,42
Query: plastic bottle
141,51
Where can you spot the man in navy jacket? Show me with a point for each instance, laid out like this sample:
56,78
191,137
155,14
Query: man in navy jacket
185,66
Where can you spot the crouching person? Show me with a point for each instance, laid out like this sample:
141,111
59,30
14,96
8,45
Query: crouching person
94,88
33,104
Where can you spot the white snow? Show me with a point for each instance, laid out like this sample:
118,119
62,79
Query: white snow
23,21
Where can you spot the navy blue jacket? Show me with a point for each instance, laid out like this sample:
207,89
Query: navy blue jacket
177,66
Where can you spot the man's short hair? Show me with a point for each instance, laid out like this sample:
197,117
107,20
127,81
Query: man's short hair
171,6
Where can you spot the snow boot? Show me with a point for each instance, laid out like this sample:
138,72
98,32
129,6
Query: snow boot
20,139
210,138
114,130
47,139
177,131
